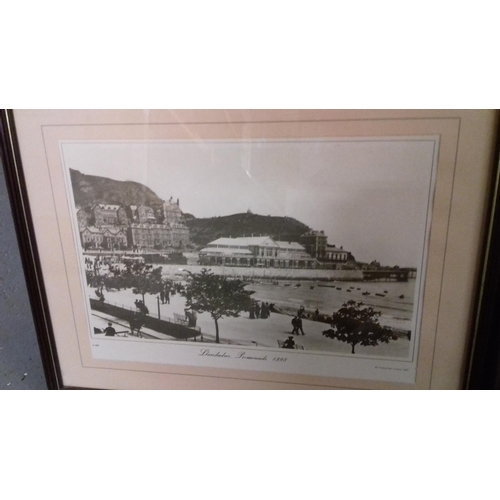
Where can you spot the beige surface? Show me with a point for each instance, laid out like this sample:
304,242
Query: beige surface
464,169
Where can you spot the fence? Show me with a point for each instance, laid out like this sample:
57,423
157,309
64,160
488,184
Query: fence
166,326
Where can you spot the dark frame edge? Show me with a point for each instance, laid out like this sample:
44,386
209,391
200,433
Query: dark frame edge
484,361
19,202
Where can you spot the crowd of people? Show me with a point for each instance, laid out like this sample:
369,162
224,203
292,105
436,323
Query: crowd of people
262,311
100,265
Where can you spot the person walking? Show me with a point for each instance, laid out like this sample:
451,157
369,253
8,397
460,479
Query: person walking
299,325
192,319
264,311
257,310
187,315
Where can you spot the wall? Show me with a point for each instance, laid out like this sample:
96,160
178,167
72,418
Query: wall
20,362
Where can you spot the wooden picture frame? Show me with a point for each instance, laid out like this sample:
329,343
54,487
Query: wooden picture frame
40,149
484,370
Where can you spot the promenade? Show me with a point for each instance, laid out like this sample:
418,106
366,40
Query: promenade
257,332
270,273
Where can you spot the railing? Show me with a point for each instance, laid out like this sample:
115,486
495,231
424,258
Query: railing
167,326
134,310
178,319
386,274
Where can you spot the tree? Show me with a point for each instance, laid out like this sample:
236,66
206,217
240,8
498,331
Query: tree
218,295
142,278
355,324
148,281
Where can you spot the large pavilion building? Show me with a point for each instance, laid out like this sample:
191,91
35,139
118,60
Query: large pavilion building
260,251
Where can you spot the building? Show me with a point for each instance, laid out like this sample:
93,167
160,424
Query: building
146,215
141,214
109,215
315,243
132,215
132,226
84,217
114,238
179,234
261,251
158,236
148,236
171,212
109,238
292,254
335,257
92,237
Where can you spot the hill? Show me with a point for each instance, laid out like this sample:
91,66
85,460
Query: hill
202,231
91,189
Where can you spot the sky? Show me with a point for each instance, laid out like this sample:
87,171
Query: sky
370,196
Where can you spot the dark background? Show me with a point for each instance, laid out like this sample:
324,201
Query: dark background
20,361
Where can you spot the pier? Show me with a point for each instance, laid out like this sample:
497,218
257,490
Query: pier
386,275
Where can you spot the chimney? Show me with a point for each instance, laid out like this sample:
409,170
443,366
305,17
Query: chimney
177,201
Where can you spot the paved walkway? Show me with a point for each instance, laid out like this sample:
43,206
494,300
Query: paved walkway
257,332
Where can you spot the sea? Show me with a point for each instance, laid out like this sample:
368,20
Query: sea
395,300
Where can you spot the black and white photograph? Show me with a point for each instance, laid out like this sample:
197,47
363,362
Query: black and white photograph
254,249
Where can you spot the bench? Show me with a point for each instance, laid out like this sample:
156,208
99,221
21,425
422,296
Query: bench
180,319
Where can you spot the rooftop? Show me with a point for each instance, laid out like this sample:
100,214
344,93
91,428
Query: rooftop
92,229
286,245
315,233
108,207
226,251
266,241
113,230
